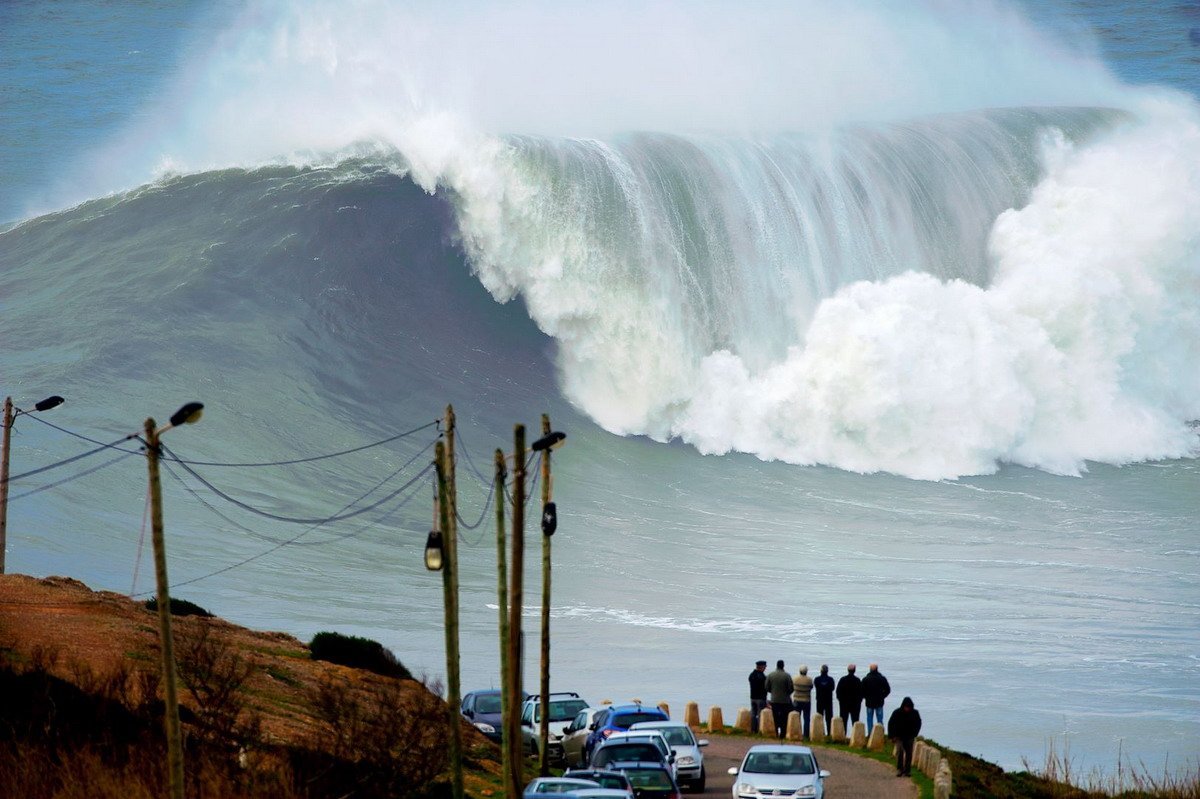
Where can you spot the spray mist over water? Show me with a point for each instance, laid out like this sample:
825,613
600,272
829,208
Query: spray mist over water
815,256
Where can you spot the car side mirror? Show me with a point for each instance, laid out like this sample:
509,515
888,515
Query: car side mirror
823,774
733,772
526,723
702,742
469,714
567,730
671,757
592,726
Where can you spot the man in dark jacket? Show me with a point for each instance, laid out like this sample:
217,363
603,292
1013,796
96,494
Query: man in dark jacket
779,691
875,689
758,693
823,685
903,727
849,694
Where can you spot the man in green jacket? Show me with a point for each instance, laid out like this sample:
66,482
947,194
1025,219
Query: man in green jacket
779,691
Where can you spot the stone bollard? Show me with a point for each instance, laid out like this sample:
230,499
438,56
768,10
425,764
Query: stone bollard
876,738
858,735
766,723
837,730
665,708
795,732
716,719
743,720
918,753
943,781
691,715
818,728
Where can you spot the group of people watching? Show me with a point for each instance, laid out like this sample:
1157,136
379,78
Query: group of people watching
784,693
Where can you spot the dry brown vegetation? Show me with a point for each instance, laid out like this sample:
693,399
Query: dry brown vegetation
81,713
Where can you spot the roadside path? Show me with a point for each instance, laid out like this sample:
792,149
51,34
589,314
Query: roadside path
851,776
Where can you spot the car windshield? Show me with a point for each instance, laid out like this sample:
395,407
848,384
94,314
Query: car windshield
626,752
648,778
626,720
605,780
561,709
560,787
487,704
676,736
779,763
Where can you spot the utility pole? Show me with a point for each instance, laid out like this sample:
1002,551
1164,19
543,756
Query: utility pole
450,597
163,597
506,710
544,733
513,733
8,423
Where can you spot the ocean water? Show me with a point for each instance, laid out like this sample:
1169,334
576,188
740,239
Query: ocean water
875,330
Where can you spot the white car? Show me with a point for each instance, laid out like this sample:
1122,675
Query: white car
771,770
546,786
575,736
689,760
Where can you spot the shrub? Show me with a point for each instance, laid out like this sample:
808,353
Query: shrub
359,653
180,607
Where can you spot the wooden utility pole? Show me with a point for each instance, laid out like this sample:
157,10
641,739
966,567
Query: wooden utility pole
8,423
544,733
163,597
506,710
450,601
513,733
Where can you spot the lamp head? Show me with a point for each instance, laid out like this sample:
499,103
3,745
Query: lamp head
549,441
188,414
433,551
48,403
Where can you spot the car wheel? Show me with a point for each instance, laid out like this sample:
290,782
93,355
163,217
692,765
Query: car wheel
698,785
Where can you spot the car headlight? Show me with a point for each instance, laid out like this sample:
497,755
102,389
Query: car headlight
807,790
686,760
745,787
485,728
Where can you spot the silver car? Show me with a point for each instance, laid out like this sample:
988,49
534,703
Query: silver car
771,770
689,760
575,736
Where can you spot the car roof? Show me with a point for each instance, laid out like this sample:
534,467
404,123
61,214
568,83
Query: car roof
633,708
779,748
599,772
657,725
582,783
635,736
488,692
625,765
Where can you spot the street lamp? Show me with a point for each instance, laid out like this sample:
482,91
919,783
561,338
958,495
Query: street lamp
11,412
433,551
188,414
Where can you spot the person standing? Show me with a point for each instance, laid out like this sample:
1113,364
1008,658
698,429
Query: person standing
779,692
823,685
758,693
903,727
802,686
875,689
849,695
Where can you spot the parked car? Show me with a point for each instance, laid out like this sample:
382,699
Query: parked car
575,735
689,760
623,747
618,718
564,706
650,780
555,787
770,770
607,778
482,708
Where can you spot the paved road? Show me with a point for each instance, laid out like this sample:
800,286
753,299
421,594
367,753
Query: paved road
852,777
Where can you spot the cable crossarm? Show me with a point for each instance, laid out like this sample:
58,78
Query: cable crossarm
74,458
76,476
337,517
312,458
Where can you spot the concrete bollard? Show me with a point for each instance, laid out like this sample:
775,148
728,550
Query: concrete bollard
691,715
743,720
716,719
876,738
837,730
766,723
665,708
817,731
795,732
858,735
943,782
917,754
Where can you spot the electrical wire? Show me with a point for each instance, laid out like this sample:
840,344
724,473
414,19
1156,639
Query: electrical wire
74,458
137,561
312,458
458,442
337,517
80,436
75,476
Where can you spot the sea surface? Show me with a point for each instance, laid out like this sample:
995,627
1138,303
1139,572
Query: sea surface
874,329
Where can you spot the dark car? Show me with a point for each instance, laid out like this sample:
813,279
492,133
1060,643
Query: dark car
482,708
605,778
650,780
618,718
625,747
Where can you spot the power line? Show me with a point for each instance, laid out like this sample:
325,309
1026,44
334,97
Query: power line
76,476
312,458
81,436
337,517
74,458
470,462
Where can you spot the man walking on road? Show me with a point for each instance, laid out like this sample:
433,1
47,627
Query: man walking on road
758,693
823,685
779,690
849,694
875,689
903,727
